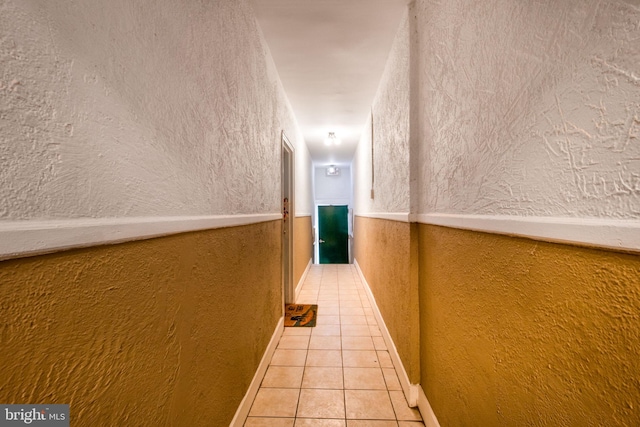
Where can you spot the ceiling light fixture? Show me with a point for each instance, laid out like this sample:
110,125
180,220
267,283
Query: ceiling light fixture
332,140
333,171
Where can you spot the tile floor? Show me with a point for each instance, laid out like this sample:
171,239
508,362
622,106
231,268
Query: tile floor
338,374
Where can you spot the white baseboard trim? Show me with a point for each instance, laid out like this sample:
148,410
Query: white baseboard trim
428,416
28,238
621,235
245,406
302,278
410,390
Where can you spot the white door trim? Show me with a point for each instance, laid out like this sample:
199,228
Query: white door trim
288,191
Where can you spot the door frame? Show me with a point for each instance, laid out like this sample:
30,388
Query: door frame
287,191
347,217
316,243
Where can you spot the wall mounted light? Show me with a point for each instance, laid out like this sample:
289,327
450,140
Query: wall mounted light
333,171
332,140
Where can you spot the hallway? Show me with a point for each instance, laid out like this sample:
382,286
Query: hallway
151,152
338,374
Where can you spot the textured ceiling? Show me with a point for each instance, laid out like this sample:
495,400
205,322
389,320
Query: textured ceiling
330,55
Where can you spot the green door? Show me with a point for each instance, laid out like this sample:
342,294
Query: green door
333,234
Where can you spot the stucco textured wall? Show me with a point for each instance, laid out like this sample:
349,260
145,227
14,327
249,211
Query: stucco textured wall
528,108
386,251
391,138
138,109
519,332
166,331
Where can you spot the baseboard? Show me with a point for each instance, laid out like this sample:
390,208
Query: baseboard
302,278
428,416
410,390
243,410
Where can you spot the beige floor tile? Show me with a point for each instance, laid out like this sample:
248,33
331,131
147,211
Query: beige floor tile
309,291
355,303
368,405
371,423
324,358
327,303
275,402
294,342
351,311
402,409
357,343
330,310
391,378
323,377
317,422
364,379
385,359
320,342
327,320
353,320
326,330
356,330
315,403
378,343
283,377
301,331
269,422
346,334
284,357
360,359
375,331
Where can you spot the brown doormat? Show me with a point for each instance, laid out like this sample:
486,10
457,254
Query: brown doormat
300,315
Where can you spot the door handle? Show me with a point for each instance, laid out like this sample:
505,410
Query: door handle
320,241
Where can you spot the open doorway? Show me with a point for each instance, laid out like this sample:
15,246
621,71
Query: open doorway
288,215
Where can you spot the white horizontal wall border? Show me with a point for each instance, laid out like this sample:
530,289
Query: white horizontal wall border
27,238
623,235
391,216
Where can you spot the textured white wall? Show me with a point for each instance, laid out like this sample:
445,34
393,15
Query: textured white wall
333,189
145,108
391,138
304,179
528,108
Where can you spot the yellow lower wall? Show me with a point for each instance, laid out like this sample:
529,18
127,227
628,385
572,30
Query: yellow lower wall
167,331
386,251
302,246
516,332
